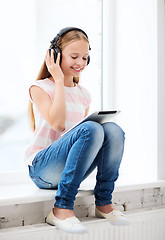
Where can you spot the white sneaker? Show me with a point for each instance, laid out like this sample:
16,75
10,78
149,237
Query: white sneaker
71,224
115,217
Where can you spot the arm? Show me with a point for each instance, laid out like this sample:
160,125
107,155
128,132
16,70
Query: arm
86,112
53,112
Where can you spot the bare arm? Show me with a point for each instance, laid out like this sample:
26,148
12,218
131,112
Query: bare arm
86,112
53,112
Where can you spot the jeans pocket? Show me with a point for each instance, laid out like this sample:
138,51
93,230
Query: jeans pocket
41,183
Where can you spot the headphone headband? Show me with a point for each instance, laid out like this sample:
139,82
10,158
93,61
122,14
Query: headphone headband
69,29
64,31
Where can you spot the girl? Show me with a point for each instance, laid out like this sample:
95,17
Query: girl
62,162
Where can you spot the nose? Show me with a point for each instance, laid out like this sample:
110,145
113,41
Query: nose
80,62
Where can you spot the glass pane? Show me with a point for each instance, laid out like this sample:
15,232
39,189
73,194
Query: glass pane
136,87
23,44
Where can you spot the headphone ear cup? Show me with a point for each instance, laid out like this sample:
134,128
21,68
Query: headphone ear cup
56,51
88,60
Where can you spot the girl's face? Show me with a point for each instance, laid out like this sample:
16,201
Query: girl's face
74,58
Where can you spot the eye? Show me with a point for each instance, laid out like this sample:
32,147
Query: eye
85,59
73,57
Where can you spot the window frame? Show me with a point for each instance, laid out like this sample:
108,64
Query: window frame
160,89
107,95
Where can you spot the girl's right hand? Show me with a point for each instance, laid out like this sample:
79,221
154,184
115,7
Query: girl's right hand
54,68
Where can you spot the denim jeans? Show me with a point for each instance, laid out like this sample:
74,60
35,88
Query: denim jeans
69,160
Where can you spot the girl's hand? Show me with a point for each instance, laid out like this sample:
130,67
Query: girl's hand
54,68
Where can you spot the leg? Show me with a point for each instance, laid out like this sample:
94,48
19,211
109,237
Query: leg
108,161
68,159
79,160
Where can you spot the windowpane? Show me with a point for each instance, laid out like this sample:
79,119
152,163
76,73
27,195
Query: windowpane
135,86
27,32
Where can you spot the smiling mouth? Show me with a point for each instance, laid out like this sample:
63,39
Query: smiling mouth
76,69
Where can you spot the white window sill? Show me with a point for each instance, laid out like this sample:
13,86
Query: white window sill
29,193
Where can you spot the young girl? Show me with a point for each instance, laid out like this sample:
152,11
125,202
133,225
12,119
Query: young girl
62,162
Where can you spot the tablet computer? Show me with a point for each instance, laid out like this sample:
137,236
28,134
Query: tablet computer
98,116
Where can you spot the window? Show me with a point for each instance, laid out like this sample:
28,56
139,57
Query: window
28,27
17,64
128,71
130,77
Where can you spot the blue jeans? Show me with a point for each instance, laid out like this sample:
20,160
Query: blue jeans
68,161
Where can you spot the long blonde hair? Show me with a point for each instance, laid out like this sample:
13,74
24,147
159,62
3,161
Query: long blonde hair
62,42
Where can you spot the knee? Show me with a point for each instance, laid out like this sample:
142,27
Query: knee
95,130
113,131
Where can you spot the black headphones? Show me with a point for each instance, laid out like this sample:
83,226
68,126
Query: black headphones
61,33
